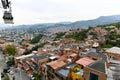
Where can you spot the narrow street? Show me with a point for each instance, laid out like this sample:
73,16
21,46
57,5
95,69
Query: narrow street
19,74
1,62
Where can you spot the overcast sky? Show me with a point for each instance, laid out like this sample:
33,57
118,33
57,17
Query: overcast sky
46,11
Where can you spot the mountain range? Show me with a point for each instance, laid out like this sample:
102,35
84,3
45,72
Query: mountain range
72,25
99,21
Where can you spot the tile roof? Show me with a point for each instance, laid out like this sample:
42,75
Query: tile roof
30,72
42,56
19,65
44,60
73,55
56,64
84,61
26,67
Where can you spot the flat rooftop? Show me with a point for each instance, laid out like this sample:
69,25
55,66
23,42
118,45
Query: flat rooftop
85,61
64,71
115,50
57,64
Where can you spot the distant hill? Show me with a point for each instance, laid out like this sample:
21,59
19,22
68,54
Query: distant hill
99,21
67,22
3,26
73,25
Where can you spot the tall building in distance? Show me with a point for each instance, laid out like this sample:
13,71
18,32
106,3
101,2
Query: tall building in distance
28,36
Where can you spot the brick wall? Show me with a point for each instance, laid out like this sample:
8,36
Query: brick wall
87,71
114,55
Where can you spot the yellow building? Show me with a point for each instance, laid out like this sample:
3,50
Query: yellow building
76,73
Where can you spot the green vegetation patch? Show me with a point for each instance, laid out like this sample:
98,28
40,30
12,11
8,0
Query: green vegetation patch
34,48
78,35
5,77
36,39
10,50
60,34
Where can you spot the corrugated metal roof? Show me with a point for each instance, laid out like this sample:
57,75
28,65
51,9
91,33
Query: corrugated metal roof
98,65
24,56
64,71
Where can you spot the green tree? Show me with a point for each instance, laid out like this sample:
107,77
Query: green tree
36,39
106,46
34,48
10,62
37,76
10,50
38,46
27,52
90,27
5,78
78,35
60,34
118,24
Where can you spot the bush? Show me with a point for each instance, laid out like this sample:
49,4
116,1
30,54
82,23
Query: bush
5,77
10,62
37,76
78,35
60,34
27,52
36,39
10,49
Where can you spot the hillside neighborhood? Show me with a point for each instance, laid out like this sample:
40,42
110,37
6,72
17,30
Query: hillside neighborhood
60,40
77,54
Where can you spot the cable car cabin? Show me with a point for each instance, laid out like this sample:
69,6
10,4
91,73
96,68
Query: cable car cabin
8,18
5,4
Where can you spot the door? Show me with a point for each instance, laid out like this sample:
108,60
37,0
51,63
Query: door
93,76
